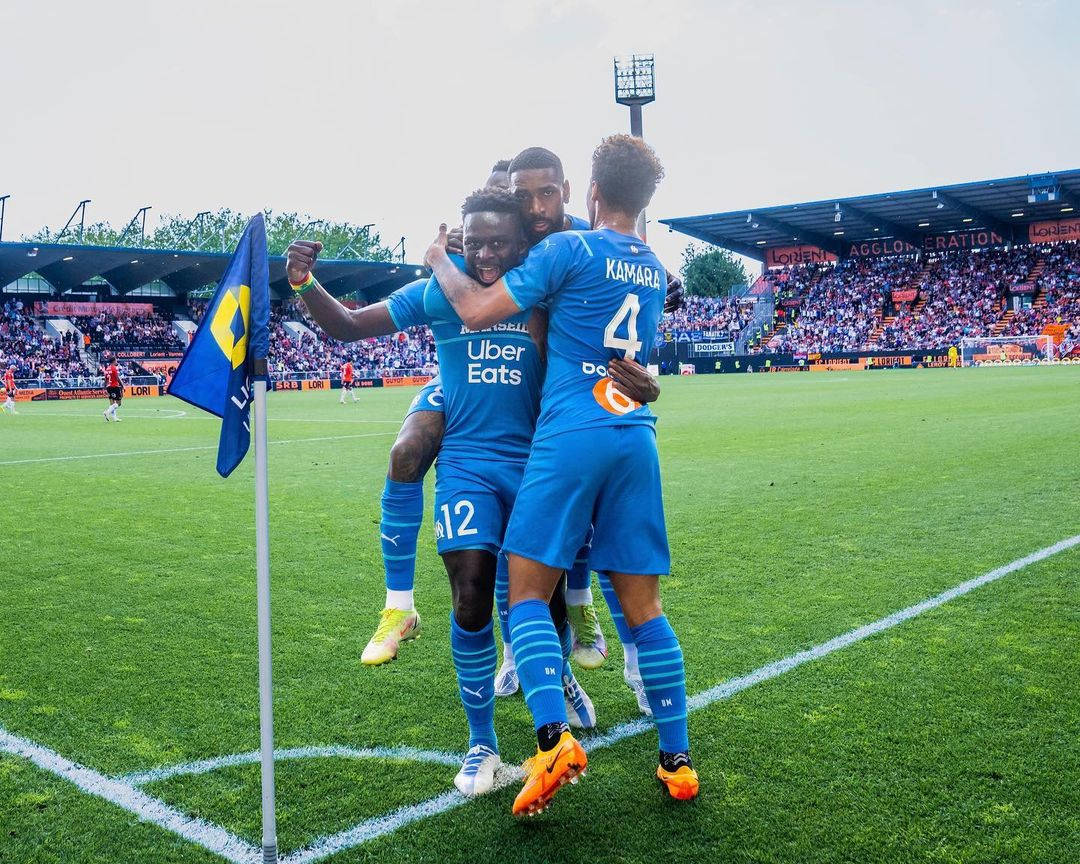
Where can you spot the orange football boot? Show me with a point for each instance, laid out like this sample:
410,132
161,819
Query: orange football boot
547,772
681,784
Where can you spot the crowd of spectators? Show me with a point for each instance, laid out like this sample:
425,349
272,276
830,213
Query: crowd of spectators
723,315
841,304
964,294
409,353
35,355
1059,303
107,332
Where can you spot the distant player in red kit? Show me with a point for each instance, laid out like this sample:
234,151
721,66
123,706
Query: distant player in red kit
9,390
114,389
347,375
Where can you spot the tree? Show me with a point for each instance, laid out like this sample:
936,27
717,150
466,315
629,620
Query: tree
220,232
711,272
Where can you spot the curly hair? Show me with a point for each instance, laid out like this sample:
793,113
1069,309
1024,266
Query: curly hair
491,199
627,172
500,166
536,157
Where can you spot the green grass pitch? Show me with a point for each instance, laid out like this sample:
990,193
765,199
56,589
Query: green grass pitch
799,507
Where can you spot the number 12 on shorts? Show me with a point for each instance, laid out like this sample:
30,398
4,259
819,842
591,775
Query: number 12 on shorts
464,506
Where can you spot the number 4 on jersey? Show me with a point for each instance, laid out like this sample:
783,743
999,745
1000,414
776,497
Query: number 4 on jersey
629,310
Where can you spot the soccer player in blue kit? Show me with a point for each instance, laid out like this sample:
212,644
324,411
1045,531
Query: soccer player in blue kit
593,459
491,398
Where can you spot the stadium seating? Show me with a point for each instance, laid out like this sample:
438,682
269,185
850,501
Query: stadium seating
709,315
25,345
848,306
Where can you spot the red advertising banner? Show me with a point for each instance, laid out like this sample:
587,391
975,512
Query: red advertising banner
1054,232
409,381
786,256
908,295
65,308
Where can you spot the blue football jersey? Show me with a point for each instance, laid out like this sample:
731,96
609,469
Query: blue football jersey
491,378
605,295
579,224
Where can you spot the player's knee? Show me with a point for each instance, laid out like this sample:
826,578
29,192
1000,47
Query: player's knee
472,606
406,459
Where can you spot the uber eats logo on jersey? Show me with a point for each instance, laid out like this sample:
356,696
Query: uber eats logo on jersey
488,353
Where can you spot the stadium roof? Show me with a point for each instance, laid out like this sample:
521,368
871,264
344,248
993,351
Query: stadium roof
67,267
912,215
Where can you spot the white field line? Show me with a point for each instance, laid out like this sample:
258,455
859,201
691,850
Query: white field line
187,449
411,754
381,825
177,414
124,794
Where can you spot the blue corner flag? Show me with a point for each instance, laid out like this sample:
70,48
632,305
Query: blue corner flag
216,371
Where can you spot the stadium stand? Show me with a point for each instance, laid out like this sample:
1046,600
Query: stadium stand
725,315
25,345
113,332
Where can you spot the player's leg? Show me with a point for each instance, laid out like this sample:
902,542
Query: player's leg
506,679
631,673
579,707
402,512
589,647
472,645
632,496
341,401
116,406
551,516
352,391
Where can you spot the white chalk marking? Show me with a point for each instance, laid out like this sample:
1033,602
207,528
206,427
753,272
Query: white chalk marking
186,449
123,794
382,825
411,754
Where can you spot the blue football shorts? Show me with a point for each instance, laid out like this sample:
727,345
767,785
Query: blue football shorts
430,398
473,501
607,476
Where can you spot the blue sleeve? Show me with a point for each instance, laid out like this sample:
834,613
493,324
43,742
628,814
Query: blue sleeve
544,270
579,224
406,305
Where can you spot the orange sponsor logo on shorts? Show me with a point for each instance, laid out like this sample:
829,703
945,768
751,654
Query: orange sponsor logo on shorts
610,399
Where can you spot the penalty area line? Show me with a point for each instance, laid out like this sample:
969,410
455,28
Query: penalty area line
390,822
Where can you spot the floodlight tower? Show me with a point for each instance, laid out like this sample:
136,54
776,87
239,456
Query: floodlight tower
635,86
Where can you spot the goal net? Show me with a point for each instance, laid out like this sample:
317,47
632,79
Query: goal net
1006,350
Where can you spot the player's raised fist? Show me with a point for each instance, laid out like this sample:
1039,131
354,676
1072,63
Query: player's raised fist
438,245
300,259
674,300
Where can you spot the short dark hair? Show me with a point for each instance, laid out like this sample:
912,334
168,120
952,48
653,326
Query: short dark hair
536,157
491,199
627,172
500,166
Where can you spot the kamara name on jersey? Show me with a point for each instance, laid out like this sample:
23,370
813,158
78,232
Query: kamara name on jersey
639,274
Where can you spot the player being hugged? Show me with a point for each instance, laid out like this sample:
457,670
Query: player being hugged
593,458
114,389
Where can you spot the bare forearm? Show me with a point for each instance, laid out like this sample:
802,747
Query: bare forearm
342,323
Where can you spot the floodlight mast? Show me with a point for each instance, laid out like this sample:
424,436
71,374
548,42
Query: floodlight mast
635,86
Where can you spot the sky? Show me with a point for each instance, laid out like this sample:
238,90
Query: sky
392,112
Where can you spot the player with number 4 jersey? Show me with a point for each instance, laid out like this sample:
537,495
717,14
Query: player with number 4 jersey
594,458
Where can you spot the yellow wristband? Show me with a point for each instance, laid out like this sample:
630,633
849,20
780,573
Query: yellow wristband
305,285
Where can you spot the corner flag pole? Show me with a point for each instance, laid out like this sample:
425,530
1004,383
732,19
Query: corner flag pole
262,561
